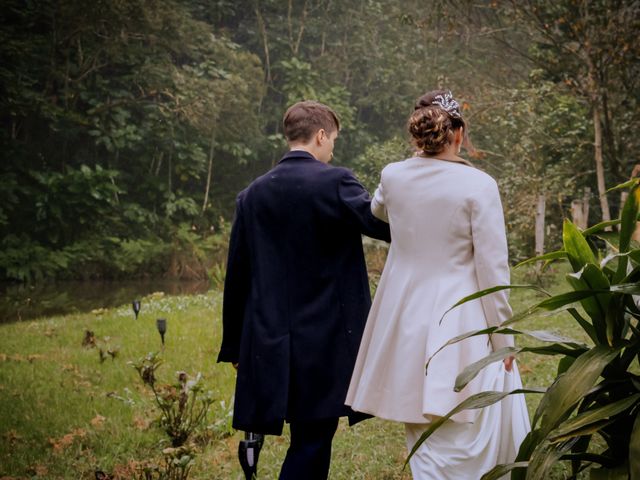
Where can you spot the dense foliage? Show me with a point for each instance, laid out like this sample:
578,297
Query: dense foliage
127,128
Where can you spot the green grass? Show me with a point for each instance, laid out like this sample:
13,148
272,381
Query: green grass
64,414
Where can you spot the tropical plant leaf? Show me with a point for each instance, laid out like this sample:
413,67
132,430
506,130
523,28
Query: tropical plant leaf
634,449
569,388
479,400
542,335
622,186
544,457
556,349
599,227
576,246
562,299
627,227
586,326
488,291
590,429
499,471
591,278
547,336
471,371
564,364
546,257
626,288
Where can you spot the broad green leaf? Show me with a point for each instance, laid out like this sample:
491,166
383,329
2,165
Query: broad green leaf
627,227
541,335
546,336
589,417
479,400
562,299
544,457
459,338
546,257
626,288
586,326
586,430
499,471
599,227
489,291
555,349
564,364
576,246
471,371
634,449
633,254
591,278
569,388
633,276
622,186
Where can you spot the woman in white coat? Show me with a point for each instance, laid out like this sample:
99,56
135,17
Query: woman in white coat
448,241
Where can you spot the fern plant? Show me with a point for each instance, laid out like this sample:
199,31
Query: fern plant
597,389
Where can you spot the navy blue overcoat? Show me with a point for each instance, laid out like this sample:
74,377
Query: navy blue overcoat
296,294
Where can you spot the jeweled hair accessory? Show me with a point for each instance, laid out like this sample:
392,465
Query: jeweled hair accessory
446,102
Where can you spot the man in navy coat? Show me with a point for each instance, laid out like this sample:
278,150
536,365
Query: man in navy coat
296,294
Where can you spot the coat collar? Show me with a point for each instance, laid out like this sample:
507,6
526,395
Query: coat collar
298,155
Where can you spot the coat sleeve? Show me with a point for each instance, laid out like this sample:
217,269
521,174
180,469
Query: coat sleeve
236,290
491,259
357,203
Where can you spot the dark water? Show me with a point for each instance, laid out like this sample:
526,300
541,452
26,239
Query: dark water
21,302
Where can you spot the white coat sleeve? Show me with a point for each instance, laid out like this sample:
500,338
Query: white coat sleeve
490,254
378,207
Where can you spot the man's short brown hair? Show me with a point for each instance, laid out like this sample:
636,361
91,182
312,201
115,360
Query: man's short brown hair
303,119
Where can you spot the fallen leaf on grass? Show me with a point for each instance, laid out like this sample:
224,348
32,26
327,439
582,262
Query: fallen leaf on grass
141,423
69,367
97,421
38,470
12,437
67,440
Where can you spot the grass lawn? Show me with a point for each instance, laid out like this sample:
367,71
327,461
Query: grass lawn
65,414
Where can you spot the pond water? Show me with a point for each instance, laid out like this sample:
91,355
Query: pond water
24,302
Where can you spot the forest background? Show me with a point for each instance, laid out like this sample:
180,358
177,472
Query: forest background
129,126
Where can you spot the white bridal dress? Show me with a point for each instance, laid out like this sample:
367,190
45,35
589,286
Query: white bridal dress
448,241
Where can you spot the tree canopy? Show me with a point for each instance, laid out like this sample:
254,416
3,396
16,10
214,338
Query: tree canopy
129,126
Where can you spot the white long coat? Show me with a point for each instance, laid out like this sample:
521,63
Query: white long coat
448,241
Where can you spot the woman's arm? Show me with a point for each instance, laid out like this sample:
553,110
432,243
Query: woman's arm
491,259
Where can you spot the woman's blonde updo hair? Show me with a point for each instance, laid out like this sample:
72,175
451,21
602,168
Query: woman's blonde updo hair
433,123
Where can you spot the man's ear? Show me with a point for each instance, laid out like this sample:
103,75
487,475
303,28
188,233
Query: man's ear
319,134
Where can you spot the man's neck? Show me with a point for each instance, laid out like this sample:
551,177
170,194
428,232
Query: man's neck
303,148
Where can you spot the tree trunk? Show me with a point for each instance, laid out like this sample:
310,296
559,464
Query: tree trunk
604,203
206,191
263,33
540,214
